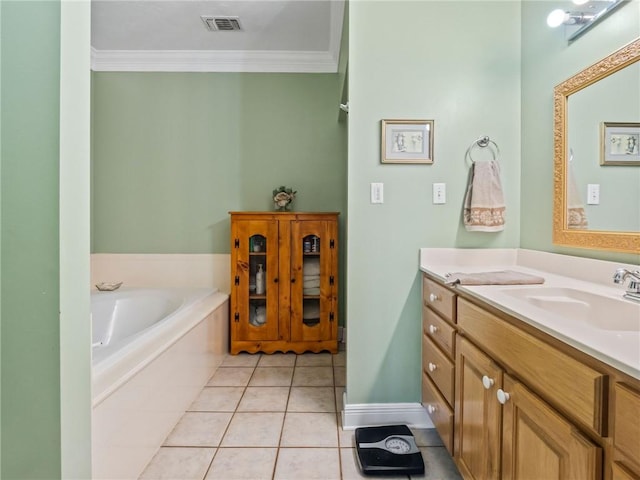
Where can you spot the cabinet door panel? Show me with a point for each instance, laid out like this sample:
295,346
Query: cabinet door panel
540,443
313,281
257,311
477,413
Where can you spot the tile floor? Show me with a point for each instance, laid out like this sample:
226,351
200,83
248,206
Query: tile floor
274,417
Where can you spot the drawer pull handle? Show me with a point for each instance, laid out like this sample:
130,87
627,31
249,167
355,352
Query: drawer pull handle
503,397
433,297
431,409
487,382
433,329
432,366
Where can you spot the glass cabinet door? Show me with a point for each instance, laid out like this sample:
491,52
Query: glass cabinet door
312,281
256,252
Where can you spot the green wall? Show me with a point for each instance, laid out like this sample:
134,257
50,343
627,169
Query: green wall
173,153
547,60
457,63
29,274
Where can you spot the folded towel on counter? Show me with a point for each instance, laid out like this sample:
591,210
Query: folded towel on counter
503,277
311,266
484,201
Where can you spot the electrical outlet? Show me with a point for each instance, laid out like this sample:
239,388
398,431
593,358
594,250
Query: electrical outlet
439,193
377,193
593,194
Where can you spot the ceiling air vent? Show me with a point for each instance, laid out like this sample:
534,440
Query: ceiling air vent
223,24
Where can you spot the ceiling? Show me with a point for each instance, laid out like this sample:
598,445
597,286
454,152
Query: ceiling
171,36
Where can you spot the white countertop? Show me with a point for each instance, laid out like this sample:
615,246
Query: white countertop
620,349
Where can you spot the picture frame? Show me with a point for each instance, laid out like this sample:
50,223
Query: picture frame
407,141
620,143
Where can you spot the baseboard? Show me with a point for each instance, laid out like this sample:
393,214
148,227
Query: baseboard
371,414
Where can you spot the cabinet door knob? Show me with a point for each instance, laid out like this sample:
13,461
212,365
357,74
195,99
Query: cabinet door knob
503,396
487,382
432,366
433,329
293,280
433,297
431,408
275,280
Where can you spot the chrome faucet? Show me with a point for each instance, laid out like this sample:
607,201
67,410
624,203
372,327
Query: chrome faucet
633,290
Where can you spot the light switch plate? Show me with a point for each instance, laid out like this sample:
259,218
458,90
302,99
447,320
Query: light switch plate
377,193
593,194
439,193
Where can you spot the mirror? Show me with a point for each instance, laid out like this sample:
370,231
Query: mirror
586,113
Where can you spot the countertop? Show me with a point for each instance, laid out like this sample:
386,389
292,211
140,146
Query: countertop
617,348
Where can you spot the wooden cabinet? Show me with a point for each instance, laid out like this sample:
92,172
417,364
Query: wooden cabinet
525,405
438,348
295,307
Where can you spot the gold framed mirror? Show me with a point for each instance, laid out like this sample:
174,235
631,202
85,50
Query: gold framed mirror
570,223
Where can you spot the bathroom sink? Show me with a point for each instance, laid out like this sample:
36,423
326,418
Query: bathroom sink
598,311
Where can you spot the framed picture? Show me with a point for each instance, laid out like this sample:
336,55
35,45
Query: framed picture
620,143
407,141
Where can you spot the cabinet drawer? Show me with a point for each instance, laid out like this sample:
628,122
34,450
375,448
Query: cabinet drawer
440,298
572,387
441,414
626,436
439,331
437,366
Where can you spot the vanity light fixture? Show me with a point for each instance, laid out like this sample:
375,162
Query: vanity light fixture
584,15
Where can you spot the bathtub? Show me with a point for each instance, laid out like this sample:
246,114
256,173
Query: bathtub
153,351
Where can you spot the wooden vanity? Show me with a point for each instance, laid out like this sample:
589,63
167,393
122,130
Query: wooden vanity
512,402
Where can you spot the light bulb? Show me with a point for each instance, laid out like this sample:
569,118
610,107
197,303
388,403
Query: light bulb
580,2
556,18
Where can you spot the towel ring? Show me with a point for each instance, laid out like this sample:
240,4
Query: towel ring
484,142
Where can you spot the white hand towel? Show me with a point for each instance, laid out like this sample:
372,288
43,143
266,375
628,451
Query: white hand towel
484,202
312,282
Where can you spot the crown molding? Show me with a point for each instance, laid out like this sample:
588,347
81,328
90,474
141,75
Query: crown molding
211,61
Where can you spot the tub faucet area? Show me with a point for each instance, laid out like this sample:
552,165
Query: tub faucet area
633,290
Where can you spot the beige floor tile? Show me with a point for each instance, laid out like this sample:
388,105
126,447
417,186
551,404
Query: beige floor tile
178,463
271,377
438,465
314,360
231,377
309,430
241,360
243,464
346,438
199,429
217,399
308,464
340,398
340,376
313,377
278,360
264,399
340,359
312,399
351,470
254,429
427,437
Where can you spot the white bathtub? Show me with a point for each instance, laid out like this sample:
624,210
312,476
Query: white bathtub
154,350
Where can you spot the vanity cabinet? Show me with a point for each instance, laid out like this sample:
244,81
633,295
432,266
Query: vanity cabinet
284,280
438,353
626,436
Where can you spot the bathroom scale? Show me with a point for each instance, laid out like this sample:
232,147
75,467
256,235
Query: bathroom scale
388,450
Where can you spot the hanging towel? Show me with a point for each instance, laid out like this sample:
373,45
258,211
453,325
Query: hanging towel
484,202
576,215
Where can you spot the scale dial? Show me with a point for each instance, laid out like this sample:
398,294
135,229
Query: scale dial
397,445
